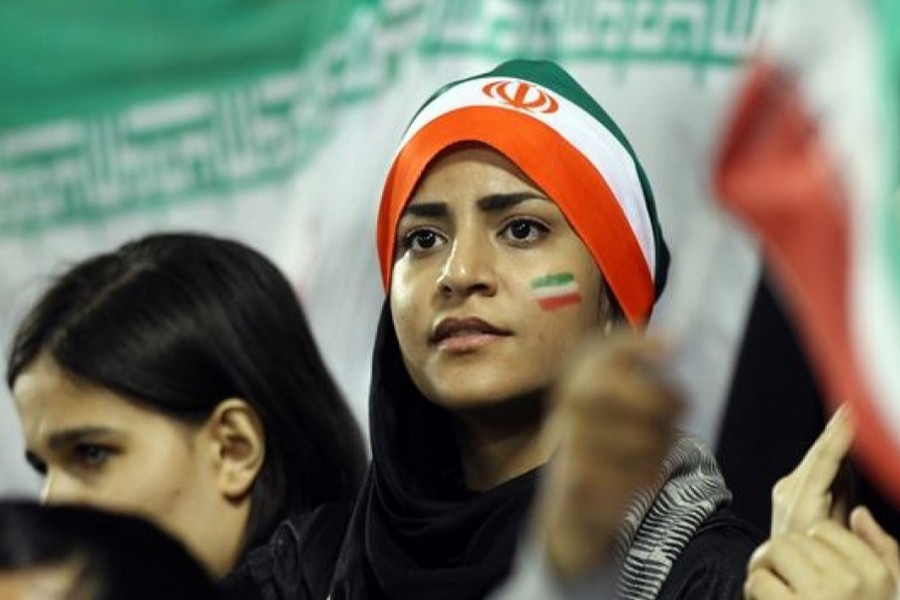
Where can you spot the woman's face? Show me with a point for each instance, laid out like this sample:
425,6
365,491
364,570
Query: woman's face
100,449
491,287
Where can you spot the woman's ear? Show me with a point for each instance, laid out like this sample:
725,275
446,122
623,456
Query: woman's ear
608,327
607,312
238,444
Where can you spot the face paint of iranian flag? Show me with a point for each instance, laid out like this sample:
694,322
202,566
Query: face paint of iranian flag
555,290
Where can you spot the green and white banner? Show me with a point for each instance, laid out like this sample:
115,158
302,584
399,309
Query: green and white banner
275,122
875,297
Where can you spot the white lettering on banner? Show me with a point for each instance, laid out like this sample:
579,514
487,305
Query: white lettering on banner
699,32
158,153
149,155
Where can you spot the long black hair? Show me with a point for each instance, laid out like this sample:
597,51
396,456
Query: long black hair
183,321
115,556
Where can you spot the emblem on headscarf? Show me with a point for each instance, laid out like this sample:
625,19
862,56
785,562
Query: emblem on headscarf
521,95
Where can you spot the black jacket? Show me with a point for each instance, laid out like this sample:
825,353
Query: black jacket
713,565
296,563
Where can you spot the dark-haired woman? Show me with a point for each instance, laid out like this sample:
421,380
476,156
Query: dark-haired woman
177,378
72,552
516,223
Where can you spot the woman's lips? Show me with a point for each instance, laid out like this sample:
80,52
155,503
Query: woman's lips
461,344
459,336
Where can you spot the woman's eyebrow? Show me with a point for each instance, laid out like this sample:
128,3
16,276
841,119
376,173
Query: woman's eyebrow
68,437
425,209
501,202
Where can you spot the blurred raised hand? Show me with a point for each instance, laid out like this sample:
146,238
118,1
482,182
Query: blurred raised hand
818,548
829,562
814,491
613,418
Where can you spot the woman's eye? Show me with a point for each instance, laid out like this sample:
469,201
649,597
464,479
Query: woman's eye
92,456
524,230
421,239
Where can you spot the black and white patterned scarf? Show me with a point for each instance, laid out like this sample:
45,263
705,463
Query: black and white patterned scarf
662,519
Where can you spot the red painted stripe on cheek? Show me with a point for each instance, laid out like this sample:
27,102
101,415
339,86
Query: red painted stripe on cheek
559,301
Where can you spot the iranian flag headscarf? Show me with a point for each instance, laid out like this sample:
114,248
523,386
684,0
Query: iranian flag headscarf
536,115
811,164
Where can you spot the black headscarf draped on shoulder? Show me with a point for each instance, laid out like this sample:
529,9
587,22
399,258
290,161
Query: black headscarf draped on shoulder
417,532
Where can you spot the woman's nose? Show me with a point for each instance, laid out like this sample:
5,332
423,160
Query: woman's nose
468,268
59,489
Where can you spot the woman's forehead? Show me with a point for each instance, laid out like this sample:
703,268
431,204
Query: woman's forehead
49,399
477,152
471,167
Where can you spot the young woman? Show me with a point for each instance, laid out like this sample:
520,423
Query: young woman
515,223
176,378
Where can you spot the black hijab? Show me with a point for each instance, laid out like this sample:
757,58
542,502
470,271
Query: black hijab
416,531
